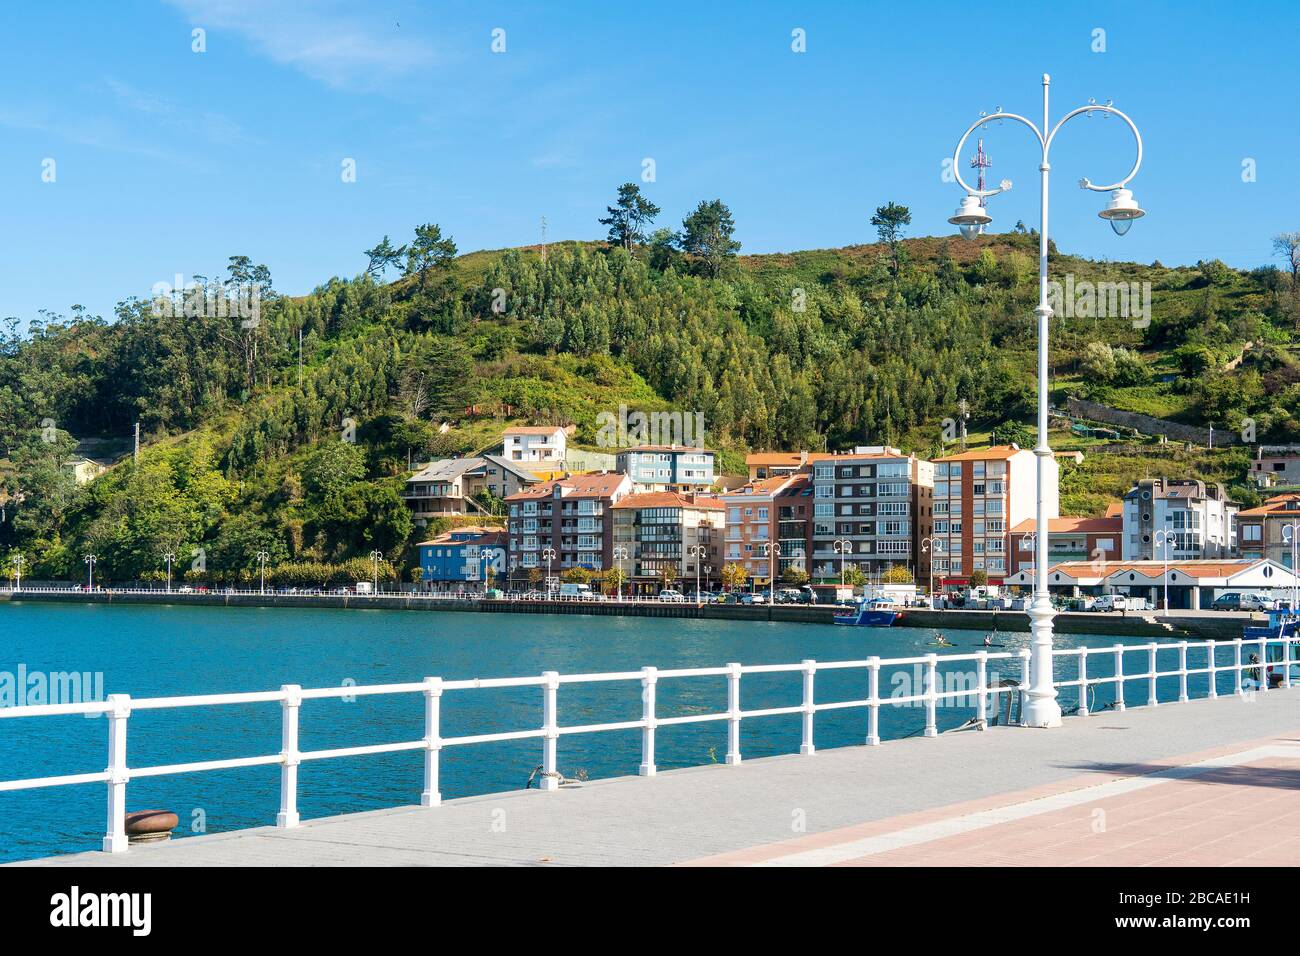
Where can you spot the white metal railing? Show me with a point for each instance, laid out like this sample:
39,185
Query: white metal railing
118,708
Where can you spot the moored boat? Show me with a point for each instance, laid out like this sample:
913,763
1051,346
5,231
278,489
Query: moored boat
876,612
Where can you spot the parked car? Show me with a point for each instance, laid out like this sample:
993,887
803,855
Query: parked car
1242,601
676,597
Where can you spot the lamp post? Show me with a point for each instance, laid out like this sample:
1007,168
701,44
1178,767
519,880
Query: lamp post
90,560
549,555
620,555
1041,708
262,558
771,551
696,551
1291,534
18,560
1161,540
933,545
169,557
375,558
842,547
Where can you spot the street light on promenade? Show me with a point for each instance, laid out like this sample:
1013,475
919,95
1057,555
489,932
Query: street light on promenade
933,545
375,557
620,555
1041,708
262,558
549,555
771,551
696,551
169,557
18,560
843,547
1161,540
90,560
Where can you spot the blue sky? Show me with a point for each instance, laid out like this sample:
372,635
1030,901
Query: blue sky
169,161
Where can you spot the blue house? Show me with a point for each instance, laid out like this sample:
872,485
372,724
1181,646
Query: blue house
458,559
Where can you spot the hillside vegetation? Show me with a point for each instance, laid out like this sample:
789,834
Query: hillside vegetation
817,349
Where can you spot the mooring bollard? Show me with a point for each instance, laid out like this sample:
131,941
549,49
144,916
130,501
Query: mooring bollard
150,826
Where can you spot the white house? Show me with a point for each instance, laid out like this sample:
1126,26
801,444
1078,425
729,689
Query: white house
533,444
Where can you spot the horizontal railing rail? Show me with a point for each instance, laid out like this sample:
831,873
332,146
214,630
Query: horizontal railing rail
118,708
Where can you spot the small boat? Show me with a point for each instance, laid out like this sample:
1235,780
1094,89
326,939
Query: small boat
877,612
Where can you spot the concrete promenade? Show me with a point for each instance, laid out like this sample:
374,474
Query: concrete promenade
1211,782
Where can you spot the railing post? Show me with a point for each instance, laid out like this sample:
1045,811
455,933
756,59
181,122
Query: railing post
1236,664
1263,663
1119,677
1024,682
550,776
981,683
806,747
1182,672
1083,682
431,796
1152,700
649,678
289,759
115,832
1213,668
931,672
733,714
873,707
1286,662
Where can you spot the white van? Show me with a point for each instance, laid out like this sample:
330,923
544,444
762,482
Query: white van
1111,602
574,591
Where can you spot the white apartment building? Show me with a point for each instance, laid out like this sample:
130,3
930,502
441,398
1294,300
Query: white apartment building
532,444
1197,521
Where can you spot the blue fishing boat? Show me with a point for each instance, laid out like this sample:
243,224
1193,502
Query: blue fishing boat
876,612
1281,624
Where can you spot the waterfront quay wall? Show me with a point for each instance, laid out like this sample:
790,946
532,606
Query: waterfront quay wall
1203,627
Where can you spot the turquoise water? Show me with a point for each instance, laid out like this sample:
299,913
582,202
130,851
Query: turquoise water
155,651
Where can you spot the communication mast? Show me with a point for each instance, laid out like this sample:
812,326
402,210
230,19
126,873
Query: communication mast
980,163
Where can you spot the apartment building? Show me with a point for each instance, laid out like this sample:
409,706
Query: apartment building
674,468
568,519
1068,539
773,464
667,529
1276,465
979,496
1196,519
535,444
776,510
463,558
1270,530
875,502
447,487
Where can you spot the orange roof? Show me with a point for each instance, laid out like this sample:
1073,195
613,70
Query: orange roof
668,499
1277,505
533,430
1067,525
764,486
775,458
1193,569
599,484
996,452
1115,509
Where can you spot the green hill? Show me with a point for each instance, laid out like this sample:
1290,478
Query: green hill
815,349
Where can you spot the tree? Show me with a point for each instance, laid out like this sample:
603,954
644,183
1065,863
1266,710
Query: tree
897,575
734,575
668,575
706,234
383,257
629,216
612,580
429,253
1098,362
979,578
889,221
1287,245
795,576
576,576
854,576
332,468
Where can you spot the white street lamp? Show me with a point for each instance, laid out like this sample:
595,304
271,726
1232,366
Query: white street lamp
90,560
1041,708
1291,534
696,551
375,557
262,558
842,547
933,546
548,554
620,555
169,557
1161,540
18,560
771,551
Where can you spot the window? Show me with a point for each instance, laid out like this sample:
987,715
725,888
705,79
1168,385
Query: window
1251,532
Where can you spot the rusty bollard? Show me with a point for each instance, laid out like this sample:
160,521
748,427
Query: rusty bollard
150,826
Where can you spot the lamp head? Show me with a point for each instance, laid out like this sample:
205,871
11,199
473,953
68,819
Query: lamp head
1122,211
970,217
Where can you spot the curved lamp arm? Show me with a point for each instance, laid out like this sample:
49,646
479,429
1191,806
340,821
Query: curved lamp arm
1093,108
956,153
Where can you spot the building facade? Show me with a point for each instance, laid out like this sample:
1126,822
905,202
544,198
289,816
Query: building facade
1276,465
875,502
1069,539
770,511
1271,530
569,517
1195,519
979,496
670,530
464,558
772,464
447,487
535,444
673,468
